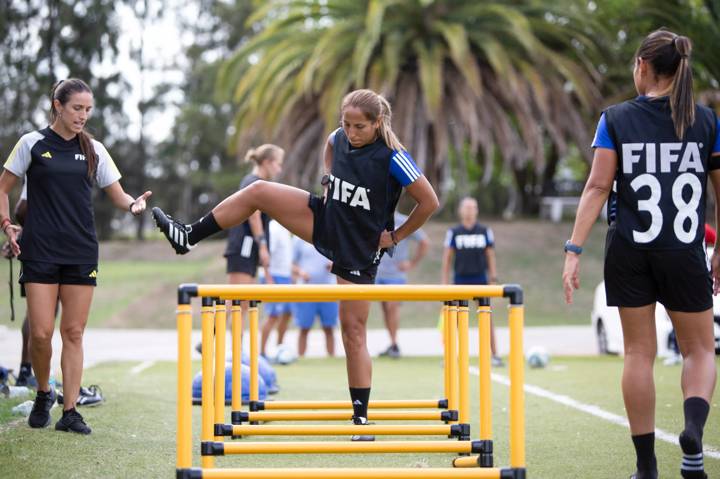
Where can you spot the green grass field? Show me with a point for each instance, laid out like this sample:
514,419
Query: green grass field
137,281
133,432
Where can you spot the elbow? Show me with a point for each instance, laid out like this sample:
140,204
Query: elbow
432,204
598,188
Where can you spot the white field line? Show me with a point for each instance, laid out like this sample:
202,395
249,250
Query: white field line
710,451
142,367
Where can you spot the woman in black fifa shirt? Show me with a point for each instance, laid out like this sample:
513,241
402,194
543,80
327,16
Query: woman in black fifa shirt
352,225
659,148
58,248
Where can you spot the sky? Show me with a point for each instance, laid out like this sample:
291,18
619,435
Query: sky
164,43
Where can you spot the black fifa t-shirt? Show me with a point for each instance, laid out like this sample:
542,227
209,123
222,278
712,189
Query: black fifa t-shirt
240,238
661,179
60,223
365,185
470,246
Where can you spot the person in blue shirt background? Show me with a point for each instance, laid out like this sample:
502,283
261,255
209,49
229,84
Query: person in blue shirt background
394,270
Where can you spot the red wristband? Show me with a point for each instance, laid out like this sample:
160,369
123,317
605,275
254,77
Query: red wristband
4,223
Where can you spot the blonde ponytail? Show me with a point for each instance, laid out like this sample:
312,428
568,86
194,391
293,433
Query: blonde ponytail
385,130
263,152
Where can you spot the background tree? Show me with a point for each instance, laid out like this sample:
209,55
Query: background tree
475,80
43,41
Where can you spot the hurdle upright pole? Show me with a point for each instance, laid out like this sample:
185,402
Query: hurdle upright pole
517,383
220,330
453,359
184,386
446,345
207,433
254,326
464,363
236,315
484,357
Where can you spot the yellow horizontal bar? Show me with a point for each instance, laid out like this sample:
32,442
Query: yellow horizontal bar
357,473
344,416
339,447
381,404
466,461
323,430
323,292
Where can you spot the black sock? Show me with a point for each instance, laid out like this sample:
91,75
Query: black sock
645,452
202,228
696,413
360,398
67,411
25,370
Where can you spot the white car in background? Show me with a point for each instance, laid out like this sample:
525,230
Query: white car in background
608,331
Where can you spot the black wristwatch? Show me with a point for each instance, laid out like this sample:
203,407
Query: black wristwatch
325,180
573,248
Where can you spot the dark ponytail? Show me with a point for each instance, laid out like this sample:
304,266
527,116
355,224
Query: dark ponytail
669,55
62,91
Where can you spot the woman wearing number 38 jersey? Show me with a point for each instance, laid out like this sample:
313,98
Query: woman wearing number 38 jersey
653,157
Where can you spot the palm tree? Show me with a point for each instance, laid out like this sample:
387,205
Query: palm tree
476,79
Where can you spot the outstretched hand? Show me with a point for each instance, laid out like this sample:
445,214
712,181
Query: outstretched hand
571,276
139,205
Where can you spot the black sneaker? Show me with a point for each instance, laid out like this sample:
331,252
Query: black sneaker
175,232
40,415
90,396
392,352
361,421
72,421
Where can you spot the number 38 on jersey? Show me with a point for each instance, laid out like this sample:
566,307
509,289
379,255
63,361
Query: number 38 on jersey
668,181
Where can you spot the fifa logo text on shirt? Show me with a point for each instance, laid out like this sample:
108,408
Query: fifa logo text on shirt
347,193
668,154
79,157
470,241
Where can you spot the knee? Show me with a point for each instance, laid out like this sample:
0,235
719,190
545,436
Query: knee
71,334
645,353
256,191
353,334
41,337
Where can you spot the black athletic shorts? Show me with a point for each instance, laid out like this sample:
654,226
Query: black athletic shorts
679,279
365,276
241,264
52,273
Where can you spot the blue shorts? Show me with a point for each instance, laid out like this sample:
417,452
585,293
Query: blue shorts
471,279
278,309
390,281
305,314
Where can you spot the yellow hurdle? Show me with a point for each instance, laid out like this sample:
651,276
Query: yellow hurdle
456,351
484,359
220,328
517,391
452,355
463,364
184,380
456,430
378,404
337,447
352,473
446,341
254,352
236,318
208,316
270,416
312,293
